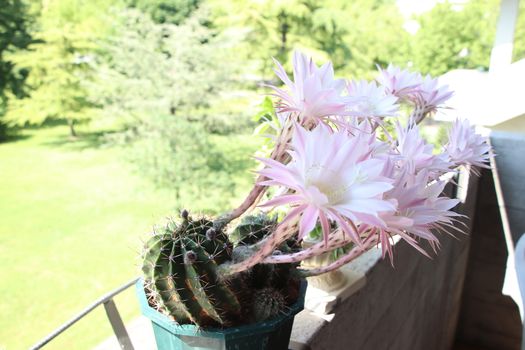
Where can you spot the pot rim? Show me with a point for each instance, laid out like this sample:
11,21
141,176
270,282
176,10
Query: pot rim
193,330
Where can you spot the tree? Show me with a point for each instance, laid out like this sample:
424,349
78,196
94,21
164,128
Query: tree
166,11
159,83
354,35
264,27
453,37
177,154
519,34
15,36
58,71
59,64
161,69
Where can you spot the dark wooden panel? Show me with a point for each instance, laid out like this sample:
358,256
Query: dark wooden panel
488,318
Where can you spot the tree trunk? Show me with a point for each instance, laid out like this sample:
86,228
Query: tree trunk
282,17
72,131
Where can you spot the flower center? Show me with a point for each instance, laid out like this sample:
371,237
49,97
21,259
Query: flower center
365,106
325,185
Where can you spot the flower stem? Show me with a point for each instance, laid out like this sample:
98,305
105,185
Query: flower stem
353,254
278,154
262,249
419,113
336,240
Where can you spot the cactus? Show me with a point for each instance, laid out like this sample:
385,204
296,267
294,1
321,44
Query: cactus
179,268
252,229
267,303
182,279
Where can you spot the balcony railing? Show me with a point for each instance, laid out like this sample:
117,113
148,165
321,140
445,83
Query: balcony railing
112,313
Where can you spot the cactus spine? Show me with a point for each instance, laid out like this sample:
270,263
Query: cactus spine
268,303
180,273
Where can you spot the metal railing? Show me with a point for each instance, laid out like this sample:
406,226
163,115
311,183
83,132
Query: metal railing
112,313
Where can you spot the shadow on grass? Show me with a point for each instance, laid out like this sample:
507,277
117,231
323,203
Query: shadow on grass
53,133
13,137
84,140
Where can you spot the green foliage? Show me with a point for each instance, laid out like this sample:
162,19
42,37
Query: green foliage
163,83
14,22
519,34
59,64
451,37
152,69
166,11
58,70
355,35
178,154
15,36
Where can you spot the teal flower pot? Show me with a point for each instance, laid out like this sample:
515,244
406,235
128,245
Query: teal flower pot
273,334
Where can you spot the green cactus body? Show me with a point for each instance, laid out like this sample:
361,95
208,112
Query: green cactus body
182,279
267,303
180,274
252,229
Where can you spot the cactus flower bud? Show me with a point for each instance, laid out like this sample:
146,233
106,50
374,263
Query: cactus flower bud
211,234
190,257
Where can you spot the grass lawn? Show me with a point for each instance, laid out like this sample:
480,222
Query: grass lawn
72,214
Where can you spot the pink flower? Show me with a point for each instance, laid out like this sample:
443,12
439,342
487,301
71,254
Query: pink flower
314,93
420,209
415,154
466,147
331,177
430,96
366,99
398,82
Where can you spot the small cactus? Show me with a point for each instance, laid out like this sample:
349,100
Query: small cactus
182,278
180,275
252,229
267,303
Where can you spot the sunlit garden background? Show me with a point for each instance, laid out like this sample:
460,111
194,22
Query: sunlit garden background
116,114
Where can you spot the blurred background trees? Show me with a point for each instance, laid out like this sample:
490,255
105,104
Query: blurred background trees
159,84
58,62
133,66
147,68
95,58
453,36
166,11
14,36
354,35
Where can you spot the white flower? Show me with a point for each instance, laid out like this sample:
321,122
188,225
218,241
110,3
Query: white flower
314,93
415,154
366,99
430,95
332,177
399,82
465,146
